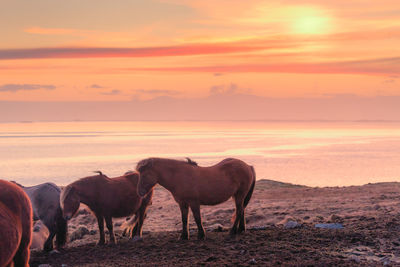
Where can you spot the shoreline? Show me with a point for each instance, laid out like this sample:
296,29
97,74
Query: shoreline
369,214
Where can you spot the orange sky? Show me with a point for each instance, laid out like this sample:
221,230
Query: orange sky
100,50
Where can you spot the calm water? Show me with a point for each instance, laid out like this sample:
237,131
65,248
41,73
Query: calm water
316,154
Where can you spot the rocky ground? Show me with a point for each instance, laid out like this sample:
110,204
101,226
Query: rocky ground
281,221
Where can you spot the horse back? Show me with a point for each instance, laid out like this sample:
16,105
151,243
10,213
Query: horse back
115,196
45,200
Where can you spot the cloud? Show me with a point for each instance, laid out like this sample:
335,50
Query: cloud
229,89
389,81
96,86
378,66
162,51
25,87
157,92
112,92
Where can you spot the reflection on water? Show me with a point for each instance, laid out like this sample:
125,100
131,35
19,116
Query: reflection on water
317,154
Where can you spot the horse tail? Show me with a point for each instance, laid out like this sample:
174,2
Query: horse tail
62,230
250,193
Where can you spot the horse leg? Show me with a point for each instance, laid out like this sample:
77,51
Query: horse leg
110,229
139,225
242,223
48,245
238,216
201,235
100,221
185,212
21,258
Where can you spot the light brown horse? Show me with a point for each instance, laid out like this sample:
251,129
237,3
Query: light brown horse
15,225
192,186
107,198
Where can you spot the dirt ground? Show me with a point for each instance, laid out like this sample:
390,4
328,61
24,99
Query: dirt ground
370,216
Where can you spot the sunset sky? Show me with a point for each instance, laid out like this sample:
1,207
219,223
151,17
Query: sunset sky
101,50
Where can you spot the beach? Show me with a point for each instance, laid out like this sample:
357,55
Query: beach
281,222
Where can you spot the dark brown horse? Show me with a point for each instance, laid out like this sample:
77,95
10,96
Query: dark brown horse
192,186
15,225
108,198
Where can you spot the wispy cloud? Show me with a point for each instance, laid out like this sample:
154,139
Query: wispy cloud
25,87
95,52
229,89
157,92
96,86
112,92
379,66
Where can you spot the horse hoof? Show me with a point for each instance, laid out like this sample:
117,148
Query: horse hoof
184,237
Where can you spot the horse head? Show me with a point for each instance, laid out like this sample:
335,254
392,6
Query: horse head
148,178
69,202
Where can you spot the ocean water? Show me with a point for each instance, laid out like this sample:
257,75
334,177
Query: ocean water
308,153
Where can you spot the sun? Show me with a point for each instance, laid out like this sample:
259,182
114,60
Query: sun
310,25
309,20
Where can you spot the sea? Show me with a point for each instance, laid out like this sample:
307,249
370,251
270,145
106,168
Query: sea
307,153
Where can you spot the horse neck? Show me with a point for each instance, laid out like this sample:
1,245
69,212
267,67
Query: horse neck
165,178
83,193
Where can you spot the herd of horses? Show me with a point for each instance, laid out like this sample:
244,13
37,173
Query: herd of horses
124,196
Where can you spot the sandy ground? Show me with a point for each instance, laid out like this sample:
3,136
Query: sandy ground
370,236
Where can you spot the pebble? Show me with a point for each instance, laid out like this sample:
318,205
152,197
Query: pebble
329,225
292,224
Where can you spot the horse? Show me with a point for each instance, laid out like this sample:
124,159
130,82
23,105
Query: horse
15,225
192,186
108,198
45,199
39,236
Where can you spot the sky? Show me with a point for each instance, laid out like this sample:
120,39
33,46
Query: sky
179,50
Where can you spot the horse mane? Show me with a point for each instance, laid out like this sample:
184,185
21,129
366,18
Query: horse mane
144,163
191,162
20,185
80,182
65,192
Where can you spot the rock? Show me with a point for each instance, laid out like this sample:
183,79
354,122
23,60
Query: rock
54,251
92,232
292,224
217,227
83,212
355,258
336,219
212,258
79,233
258,228
117,224
329,225
252,261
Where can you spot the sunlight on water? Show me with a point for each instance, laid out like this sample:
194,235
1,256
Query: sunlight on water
317,154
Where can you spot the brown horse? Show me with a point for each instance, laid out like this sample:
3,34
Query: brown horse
192,186
15,225
107,198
